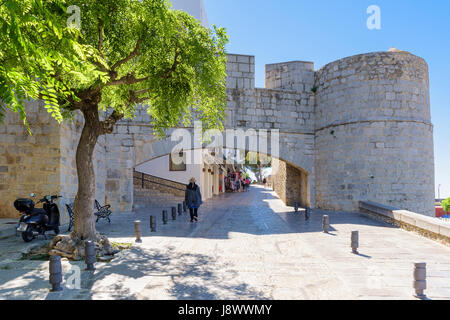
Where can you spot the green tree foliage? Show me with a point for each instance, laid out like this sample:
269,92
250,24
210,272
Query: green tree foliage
35,47
257,162
446,205
127,53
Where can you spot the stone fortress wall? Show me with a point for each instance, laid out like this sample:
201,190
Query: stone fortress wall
358,129
374,137
44,162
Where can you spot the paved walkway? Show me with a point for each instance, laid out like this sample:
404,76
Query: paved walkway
246,246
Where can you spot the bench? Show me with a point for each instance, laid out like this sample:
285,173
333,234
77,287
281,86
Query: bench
71,214
102,212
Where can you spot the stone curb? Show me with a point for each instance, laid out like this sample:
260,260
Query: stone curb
9,231
426,226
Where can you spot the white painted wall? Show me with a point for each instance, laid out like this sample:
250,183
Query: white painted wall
159,168
196,8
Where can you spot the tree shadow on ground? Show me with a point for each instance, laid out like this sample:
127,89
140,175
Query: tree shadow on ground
165,274
20,285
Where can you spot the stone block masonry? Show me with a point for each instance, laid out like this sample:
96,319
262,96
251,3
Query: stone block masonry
28,163
374,137
296,76
44,162
241,72
290,184
358,129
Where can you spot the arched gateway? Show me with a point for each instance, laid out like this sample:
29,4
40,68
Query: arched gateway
357,129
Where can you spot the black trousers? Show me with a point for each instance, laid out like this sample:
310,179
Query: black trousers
193,212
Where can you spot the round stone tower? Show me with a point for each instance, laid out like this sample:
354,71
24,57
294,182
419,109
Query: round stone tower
374,137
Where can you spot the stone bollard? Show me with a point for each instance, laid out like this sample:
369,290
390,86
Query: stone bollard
325,224
307,213
174,213
152,224
89,255
296,207
355,241
164,216
137,231
184,207
55,269
420,279
180,209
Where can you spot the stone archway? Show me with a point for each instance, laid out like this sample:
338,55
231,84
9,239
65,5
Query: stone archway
291,183
136,145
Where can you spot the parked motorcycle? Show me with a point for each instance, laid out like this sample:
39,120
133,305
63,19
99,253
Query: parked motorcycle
37,221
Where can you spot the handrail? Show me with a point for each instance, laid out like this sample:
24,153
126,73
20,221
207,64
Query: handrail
157,183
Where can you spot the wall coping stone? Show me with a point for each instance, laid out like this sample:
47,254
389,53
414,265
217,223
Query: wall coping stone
429,227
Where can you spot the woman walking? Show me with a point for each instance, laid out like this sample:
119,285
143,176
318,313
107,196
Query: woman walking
193,199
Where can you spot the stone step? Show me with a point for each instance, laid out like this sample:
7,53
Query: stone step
152,198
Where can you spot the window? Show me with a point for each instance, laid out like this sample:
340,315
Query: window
175,166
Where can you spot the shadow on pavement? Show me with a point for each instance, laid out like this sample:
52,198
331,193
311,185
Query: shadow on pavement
181,276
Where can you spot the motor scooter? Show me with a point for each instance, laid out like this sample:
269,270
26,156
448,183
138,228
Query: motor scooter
37,221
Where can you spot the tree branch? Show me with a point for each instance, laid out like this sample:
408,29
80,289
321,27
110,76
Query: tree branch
99,65
128,79
100,37
133,96
130,56
172,69
107,126
140,91
140,100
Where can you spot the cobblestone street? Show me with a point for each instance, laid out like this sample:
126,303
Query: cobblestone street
246,246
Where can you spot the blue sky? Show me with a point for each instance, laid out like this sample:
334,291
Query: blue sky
326,30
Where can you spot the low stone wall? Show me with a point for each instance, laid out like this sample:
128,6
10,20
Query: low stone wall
144,181
425,226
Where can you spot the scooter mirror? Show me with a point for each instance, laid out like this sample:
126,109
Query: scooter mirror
32,195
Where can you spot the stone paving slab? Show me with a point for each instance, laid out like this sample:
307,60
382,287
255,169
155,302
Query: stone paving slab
246,246
8,228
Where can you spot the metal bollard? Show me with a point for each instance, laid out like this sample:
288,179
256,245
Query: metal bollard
55,269
325,223
89,252
184,207
180,209
296,207
174,213
307,213
152,224
355,241
164,216
137,231
420,279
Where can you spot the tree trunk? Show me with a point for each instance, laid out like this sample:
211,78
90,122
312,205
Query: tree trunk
84,201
